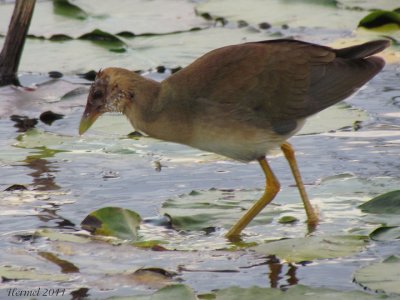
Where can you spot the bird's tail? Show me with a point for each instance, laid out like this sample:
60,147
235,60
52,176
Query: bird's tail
363,50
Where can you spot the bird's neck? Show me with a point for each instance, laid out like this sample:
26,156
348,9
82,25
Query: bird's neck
157,114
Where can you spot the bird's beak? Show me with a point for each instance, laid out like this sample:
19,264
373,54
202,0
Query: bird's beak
88,118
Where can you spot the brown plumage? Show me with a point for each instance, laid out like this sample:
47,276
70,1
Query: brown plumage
239,101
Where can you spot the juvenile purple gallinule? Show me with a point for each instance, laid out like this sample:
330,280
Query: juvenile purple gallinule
240,101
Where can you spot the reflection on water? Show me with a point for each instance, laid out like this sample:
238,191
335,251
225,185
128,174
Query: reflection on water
43,175
275,274
50,215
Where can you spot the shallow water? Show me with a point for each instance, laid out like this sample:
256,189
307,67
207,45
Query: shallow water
68,176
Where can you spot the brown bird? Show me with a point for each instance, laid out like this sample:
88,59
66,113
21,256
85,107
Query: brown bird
240,101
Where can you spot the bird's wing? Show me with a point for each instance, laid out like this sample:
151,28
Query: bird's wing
273,81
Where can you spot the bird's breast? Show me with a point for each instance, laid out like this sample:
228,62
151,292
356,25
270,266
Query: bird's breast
238,141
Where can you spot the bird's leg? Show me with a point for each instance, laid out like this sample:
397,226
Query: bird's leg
312,216
271,189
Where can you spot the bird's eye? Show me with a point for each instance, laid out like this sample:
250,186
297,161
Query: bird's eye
97,94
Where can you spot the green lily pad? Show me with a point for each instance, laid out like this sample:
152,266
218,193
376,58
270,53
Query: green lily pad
113,221
388,203
288,220
385,233
72,17
290,12
36,139
23,273
60,236
298,292
171,292
380,18
66,266
313,247
67,9
382,277
103,38
200,210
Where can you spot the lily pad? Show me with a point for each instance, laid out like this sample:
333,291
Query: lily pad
140,16
113,221
277,12
385,233
298,292
67,9
313,247
171,292
60,236
19,273
66,266
288,220
380,18
388,203
103,38
382,277
200,210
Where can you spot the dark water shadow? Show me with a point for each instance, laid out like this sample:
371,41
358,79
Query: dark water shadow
275,273
43,174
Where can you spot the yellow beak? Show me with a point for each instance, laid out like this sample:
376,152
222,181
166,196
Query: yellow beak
89,116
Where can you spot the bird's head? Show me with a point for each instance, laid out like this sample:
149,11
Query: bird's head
113,90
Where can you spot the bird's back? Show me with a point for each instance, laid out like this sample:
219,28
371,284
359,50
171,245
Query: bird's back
260,93
277,80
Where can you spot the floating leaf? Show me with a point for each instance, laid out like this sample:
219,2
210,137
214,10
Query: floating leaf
382,277
60,37
200,210
287,220
113,221
281,12
153,244
67,9
60,236
313,247
66,266
19,273
298,292
380,18
385,233
16,187
171,292
48,117
155,277
388,203
23,123
102,37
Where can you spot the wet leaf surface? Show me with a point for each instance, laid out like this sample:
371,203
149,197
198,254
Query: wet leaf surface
298,292
24,273
113,221
385,233
66,266
381,18
48,117
388,203
312,248
67,9
172,292
199,210
381,277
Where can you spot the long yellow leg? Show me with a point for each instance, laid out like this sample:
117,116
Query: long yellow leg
312,216
271,189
